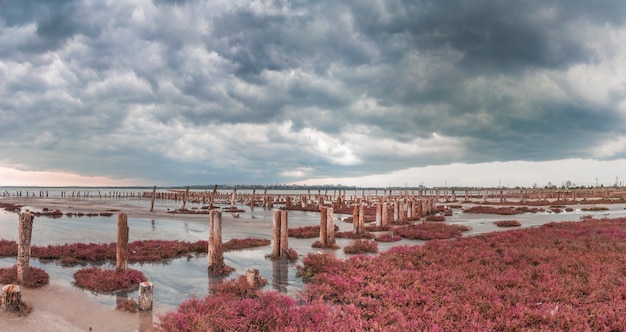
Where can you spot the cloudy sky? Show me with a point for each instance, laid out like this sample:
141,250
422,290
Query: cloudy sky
362,92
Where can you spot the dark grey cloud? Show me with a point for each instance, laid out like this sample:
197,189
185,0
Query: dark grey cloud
202,92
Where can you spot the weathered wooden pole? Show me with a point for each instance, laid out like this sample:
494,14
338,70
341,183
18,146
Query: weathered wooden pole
355,219
384,221
330,226
284,234
23,245
216,252
233,197
361,224
121,254
11,298
276,234
379,213
146,296
185,198
323,226
252,200
153,197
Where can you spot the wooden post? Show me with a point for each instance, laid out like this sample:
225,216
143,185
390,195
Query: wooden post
355,219
185,199
276,234
384,220
121,253
330,226
152,200
216,253
146,295
233,197
379,215
284,234
323,225
23,245
361,224
11,299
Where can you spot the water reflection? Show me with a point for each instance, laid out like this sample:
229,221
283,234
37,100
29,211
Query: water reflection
280,275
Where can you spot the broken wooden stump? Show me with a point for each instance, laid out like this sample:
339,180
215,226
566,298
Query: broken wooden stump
23,245
152,200
11,299
253,278
146,295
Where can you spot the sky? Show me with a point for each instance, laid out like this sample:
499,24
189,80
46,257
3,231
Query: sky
360,93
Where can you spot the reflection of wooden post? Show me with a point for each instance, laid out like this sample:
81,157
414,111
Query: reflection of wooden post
11,299
284,234
323,225
23,245
146,294
121,254
276,234
152,201
216,253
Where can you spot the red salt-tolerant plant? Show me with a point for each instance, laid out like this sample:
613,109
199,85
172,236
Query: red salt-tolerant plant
8,248
315,263
128,305
35,277
430,231
352,235
319,245
238,287
492,210
435,218
595,208
388,237
239,244
11,207
569,209
100,280
306,232
361,246
507,223
376,228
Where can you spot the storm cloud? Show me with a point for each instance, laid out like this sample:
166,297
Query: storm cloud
201,92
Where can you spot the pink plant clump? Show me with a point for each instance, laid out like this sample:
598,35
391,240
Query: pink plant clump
435,218
507,223
108,281
306,232
239,244
352,235
430,231
35,277
388,237
361,246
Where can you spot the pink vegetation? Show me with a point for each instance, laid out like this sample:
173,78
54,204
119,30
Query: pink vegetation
561,276
108,281
35,277
361,246
507,223
431,231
